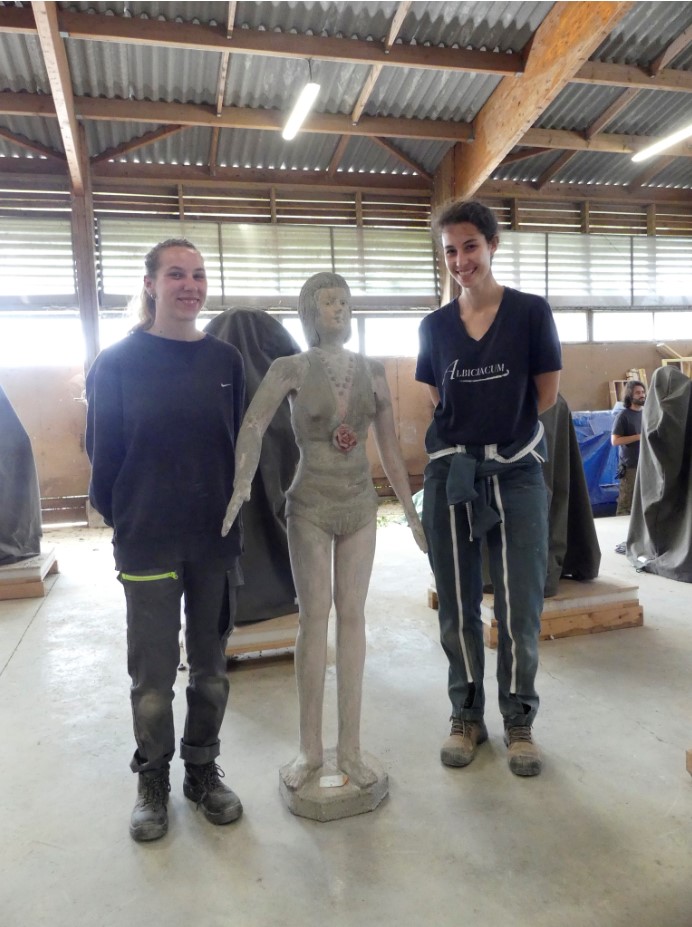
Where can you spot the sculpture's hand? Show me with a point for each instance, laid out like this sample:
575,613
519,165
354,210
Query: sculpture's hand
241,494
417,530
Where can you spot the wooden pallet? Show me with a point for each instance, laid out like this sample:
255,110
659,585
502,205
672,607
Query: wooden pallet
26,579
261,636
603,604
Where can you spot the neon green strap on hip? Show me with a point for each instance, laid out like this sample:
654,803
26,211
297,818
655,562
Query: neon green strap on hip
147,579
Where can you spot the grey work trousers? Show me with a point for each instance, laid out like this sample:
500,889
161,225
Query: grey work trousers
153,600
518,551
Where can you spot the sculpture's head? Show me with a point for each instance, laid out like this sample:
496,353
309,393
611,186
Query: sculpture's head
309,308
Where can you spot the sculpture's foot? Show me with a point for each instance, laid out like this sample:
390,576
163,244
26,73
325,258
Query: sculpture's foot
357,771
297,773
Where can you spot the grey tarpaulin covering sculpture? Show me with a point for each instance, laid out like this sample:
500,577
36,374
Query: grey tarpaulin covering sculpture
20,500
268,591
573,547
659,539
573,551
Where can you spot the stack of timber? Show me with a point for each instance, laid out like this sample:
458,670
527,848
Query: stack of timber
26,579
262,636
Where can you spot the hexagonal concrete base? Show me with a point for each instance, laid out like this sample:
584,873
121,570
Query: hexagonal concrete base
329,804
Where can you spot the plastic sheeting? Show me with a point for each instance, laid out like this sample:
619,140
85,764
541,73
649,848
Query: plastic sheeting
268,591
20,499
599,457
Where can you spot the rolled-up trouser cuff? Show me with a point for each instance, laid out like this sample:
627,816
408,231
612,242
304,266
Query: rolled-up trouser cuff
198,756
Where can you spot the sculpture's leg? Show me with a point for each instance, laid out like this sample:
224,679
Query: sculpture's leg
353,557
310,550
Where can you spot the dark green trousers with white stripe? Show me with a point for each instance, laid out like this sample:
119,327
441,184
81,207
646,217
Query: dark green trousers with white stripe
518,551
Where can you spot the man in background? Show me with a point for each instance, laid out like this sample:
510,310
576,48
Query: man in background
626,436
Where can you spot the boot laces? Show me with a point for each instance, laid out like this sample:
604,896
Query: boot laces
521,733
209,778
461,726
155,790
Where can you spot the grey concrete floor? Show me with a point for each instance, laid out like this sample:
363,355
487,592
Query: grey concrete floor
603,837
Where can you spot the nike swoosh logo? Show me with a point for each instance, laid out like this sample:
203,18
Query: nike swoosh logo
226,384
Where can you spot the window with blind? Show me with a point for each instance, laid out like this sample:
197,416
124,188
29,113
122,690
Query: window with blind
36,267
267,264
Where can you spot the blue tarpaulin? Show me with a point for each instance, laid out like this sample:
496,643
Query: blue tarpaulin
599,457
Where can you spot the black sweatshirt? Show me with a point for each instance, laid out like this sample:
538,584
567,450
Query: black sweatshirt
162,422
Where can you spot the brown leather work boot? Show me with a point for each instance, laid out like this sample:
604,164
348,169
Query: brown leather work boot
523,755
460,747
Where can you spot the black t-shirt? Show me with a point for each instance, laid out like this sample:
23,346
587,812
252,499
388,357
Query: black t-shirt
487,393
626,424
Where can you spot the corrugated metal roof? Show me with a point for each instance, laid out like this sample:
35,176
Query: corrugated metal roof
45,132
144,72
647,114
411,93
21,65
526,171
577,106
646,31
677,175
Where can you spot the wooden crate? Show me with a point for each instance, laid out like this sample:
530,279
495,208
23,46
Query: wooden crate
683,364
261,636
603,604
26,579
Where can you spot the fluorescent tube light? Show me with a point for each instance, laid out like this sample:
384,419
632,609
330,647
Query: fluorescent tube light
302,107
666,142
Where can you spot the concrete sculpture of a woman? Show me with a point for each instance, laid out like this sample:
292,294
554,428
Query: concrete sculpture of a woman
331,513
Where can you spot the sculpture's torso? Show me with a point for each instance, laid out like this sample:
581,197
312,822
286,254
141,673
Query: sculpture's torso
332,489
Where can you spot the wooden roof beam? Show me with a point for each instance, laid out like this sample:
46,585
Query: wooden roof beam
522,155
562,43
214,151
554,169
375,70
608,114
601,193
111,154
199,37
341,146
677,46
230,17
189,114
629,75
404,158
55,58
30,145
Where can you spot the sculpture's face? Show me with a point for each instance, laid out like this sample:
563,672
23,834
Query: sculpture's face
333,320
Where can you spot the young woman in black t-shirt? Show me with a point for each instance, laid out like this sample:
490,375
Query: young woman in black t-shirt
491,359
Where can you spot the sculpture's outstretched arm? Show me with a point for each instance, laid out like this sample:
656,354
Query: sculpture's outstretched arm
283,377
390,452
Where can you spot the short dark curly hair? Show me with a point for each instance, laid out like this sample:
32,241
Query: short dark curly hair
472,211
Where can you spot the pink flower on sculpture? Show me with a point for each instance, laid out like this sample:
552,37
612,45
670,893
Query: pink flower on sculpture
344,438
